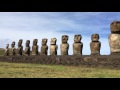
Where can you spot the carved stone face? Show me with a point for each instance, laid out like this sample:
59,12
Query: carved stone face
44,41
7,45
64,38
12,45
115,27
13,42
53,41
35,41
95,37
27,43
20,43
77,38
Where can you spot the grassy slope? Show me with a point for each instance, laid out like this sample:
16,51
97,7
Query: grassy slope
15,70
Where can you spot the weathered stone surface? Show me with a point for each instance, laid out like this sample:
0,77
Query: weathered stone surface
77,45
102,61
114,42
64,49
64,46
53,49
53,46
44,41
12,50
53,41
13,43
95,45
77,48
44,50
77,38
86,59
65,38
95,48
20,47
115,27
95,37
27,49
35,47
44,47
7,50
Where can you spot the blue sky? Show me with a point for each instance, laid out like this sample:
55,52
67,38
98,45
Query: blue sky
31,25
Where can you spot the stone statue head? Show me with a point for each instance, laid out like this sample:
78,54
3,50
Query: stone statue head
20,43
77,38
27,43
13,43
115,27
65,38
35,41
44,41
95,37
53,41
7,46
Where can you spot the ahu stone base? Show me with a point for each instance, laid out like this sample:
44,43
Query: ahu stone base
108,61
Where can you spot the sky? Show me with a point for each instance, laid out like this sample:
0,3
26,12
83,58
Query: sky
32,25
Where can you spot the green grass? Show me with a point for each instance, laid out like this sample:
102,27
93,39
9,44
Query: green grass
15,70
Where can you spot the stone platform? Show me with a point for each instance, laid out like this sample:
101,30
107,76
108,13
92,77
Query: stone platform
108,61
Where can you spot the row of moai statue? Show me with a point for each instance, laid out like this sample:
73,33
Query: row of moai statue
95,46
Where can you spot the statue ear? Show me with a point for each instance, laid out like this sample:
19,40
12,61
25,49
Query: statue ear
67,37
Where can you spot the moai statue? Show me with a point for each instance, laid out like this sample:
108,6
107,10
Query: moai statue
44,47
7,50
53,46
27,49
35,47
13,43
12,49
77,45
114,38
20,47
64,47
95,45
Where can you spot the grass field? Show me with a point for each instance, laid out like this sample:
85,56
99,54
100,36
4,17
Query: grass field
15,70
